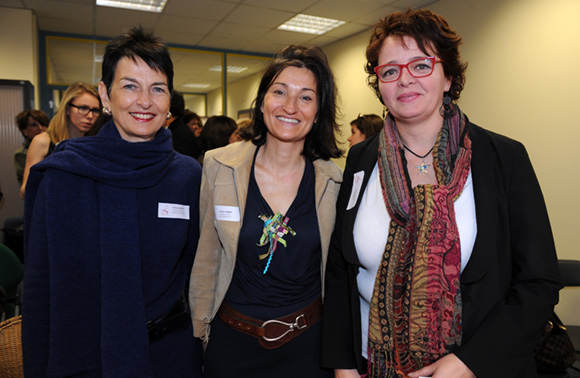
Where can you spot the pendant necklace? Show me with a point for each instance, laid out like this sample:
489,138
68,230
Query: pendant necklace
423,167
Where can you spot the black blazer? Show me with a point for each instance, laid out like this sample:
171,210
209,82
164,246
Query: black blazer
509,286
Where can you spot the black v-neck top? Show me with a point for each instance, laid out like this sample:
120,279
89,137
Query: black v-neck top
292,280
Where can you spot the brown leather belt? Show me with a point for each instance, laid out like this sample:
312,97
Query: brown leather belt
272,333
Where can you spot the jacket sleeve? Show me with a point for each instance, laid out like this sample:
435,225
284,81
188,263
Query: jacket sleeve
193,230
203,281
502,343
338,328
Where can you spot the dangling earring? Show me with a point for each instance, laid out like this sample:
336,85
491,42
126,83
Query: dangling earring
446,110
385,111
107,111
446,98
168,115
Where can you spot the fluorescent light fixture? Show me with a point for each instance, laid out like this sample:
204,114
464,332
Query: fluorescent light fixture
141,5
195,85
303,23
231,69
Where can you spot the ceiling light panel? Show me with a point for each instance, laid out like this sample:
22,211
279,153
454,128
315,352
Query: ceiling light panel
303,23
231,69
141,5
196,85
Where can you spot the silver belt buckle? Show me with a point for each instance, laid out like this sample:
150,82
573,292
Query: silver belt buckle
291,326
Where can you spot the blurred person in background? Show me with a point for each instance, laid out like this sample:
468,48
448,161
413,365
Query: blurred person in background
193,121
184,140
363,127
216,133
79,109
243,125
30,123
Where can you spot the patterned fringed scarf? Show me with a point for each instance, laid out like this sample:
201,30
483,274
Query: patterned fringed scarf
415,312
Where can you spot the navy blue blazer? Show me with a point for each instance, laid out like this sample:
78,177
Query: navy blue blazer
509,286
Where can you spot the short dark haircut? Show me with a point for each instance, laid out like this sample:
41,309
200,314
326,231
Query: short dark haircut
177,107
428,30
216,132
368,124
137,43
321,140
38,115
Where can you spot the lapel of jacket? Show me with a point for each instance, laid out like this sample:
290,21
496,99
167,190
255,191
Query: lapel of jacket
484,191
327,183
231,189
363,162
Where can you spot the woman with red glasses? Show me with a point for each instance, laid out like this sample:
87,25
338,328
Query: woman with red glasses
442,263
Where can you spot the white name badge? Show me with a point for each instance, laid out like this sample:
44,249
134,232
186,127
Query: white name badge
356,185
227,213
173,211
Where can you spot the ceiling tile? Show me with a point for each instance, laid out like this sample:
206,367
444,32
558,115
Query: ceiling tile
65,26
11,4
292,6
346,30
404,4
199,9
228,43
179,38
372,18
228,30
186,25
344,10
247,15
62,10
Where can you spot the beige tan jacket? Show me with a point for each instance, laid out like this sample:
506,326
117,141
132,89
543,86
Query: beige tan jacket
225,180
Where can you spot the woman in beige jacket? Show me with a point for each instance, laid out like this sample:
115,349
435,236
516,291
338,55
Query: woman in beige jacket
267,212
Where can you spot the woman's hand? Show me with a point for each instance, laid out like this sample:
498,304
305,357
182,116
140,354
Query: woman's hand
449,366
346,373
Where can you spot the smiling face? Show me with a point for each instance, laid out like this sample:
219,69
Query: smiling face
356,136
79,124
410,99
138,100
290,105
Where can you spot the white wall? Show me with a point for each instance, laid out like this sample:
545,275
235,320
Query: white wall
19,46
18,61
241,94
214,103
521,82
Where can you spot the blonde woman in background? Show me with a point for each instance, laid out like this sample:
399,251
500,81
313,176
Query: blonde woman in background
80,108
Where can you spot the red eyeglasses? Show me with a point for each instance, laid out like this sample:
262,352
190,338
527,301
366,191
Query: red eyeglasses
421,67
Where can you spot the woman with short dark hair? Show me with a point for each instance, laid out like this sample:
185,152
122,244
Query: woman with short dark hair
111,224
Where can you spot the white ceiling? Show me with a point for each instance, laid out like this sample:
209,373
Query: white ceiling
234,25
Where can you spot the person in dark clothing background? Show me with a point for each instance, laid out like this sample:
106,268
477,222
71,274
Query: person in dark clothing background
184,140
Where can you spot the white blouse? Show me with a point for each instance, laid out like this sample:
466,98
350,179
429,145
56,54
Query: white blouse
370,233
